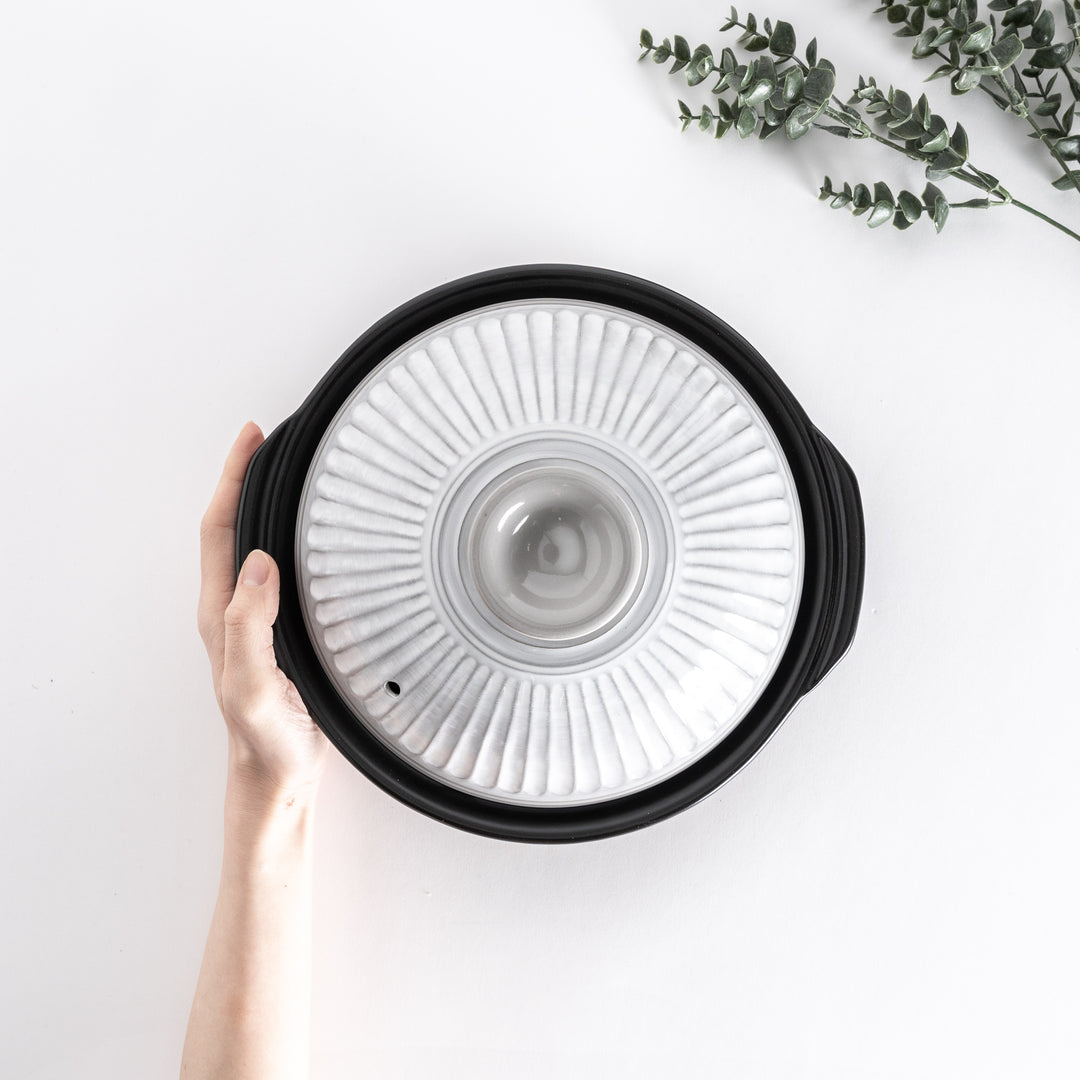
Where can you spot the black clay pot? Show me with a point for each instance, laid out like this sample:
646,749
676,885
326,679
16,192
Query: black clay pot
559,551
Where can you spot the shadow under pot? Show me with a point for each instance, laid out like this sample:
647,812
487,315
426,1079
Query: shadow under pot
559,551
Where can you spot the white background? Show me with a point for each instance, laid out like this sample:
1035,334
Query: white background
203,205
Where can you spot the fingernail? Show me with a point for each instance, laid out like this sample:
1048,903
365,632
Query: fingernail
256,569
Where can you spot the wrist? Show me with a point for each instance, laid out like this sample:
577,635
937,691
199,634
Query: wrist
255,791
264,817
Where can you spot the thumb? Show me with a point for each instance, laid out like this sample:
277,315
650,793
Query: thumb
249,637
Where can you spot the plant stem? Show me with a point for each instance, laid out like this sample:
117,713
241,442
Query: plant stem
1039,214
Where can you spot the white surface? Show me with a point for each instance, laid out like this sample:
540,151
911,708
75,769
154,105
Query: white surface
204,205
389,569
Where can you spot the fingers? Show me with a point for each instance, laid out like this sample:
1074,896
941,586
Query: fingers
250,669
218,539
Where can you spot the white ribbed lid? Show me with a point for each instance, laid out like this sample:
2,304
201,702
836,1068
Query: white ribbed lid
549,552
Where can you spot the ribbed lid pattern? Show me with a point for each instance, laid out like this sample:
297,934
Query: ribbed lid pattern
672,428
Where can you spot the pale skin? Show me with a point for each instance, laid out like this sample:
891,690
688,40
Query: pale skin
251,1014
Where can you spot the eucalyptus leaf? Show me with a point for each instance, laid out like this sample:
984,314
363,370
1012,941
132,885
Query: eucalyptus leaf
882,213
941,212
909,128
967,79
793,85
760,91
1052,56
819,85
1063,183
909,205
782,42
1068,148
1042,30
977,39
747,122
1006,51
959,142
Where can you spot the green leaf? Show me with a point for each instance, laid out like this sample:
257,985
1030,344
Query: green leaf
800,120
937,142
1006,51
677,66
1049,106
1053,56
882,212
966,80
722,128
1020,15
924,45
819,85
939,72
811,53
661,53
977,39
861,200
782,42
1067,119
1063,183
774,117
706,118
900,104
940,212
793,85
882,193
760,91
907,129
727,61
695,74
751,23
758,43
682,49
1042,30
943,164
909,205
723,110
684,109
1068,148
646,39
959,142
747,122
896,13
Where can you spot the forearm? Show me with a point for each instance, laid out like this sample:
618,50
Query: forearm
251,1013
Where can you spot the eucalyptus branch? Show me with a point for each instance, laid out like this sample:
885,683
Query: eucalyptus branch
777,90
979,54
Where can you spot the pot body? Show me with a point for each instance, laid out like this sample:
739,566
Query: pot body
833,548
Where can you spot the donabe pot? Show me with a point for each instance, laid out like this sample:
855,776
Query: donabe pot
559,552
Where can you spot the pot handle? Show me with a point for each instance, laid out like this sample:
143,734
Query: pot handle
847,536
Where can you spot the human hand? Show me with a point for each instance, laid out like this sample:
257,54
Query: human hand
275,748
